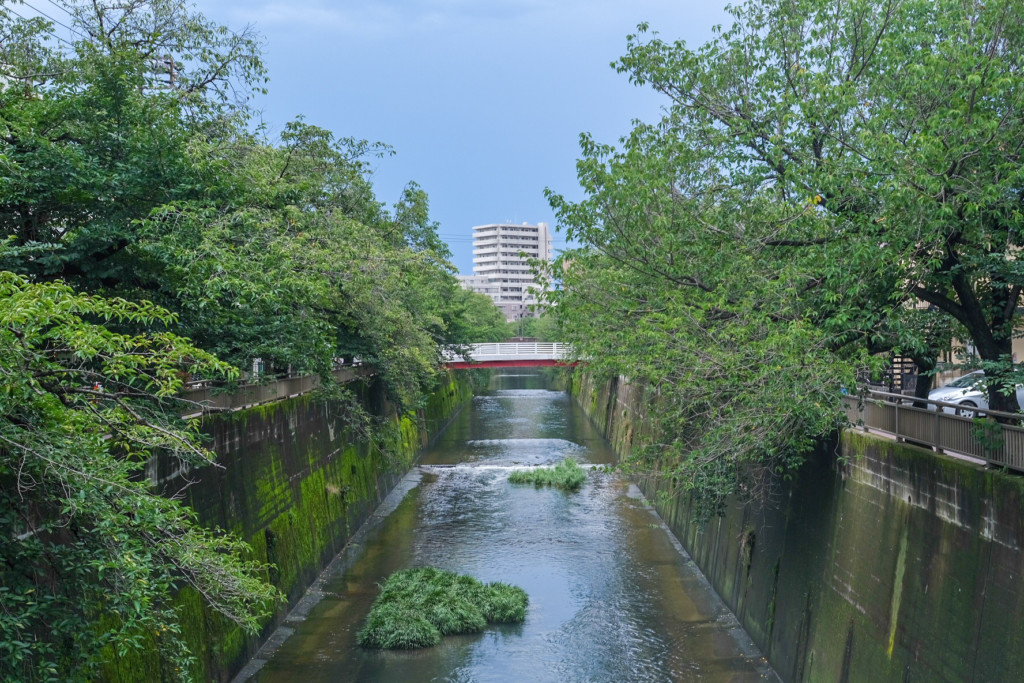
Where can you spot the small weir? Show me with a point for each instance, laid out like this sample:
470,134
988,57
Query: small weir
612,596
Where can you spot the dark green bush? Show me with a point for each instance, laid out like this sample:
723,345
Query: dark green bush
505,604
567,475
416,607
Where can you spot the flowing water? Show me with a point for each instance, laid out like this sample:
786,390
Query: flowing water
611,596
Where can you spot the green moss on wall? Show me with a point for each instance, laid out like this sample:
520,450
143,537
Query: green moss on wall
296,482
136,666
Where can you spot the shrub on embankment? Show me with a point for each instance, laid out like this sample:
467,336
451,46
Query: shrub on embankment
417,607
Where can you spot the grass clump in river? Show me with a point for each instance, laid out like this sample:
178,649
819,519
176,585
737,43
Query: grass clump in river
417,607
566,475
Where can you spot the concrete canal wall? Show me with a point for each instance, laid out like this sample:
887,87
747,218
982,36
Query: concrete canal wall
295,481
879,562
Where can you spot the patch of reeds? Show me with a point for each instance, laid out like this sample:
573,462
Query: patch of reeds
567,475
417,607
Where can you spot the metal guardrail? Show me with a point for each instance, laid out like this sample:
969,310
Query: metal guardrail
994,442
209,399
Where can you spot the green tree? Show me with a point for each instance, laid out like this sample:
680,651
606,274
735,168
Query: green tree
151,235
96,136
823,169
91,558
900,120
544,327
296,262
130,172
476,319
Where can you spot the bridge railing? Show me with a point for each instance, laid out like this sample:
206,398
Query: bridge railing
996,443
513,350
553,349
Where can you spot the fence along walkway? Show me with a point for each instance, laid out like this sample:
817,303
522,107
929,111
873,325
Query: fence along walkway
996,443
206,398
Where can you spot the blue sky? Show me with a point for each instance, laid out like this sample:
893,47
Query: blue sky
482,100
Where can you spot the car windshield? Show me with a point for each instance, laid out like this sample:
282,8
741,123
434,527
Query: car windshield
967,381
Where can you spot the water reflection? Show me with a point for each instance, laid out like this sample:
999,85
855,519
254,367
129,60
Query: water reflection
610,597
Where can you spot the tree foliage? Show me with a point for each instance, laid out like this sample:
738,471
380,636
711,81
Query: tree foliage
543,327
830,180
479,319
152,233
86,541
131,171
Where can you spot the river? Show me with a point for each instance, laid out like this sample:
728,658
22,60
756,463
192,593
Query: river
612,596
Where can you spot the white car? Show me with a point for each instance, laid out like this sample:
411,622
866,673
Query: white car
968,391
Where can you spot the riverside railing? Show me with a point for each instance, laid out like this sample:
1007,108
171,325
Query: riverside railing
207,398
958,431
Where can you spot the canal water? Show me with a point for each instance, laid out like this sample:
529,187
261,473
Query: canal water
612,598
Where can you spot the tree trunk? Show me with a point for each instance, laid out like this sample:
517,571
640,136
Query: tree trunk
925,379
1000,401
999,354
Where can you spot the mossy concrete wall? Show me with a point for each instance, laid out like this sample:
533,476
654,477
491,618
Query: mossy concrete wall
880,561
295,481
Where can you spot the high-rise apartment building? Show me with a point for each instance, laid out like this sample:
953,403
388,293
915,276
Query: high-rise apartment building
501,270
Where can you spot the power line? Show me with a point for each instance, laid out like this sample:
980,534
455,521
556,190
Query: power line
62,6
52,19
49,33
